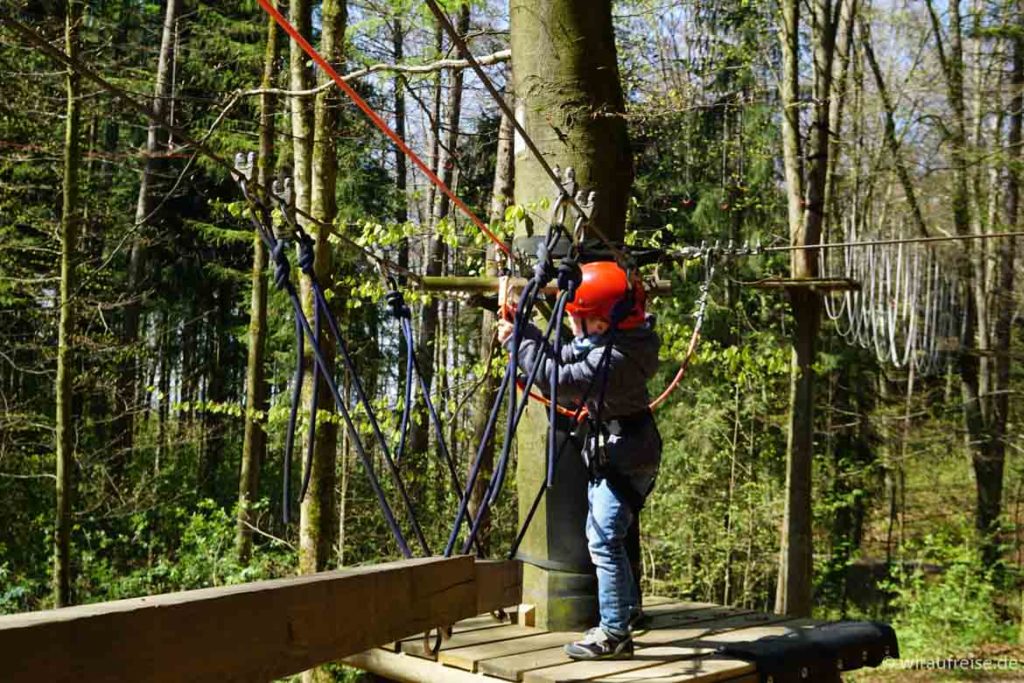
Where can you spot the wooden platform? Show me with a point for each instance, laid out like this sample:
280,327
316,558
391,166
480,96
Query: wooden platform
678,644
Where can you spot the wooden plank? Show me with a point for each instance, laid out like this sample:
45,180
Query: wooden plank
756,633
255,631
415,647
813,284
499,584
406,669
676,606
652,600
643,658
672,619
514,667
654,647
471,624
708,629
695,670
469,658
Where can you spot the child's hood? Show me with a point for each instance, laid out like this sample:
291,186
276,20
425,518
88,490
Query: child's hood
641,345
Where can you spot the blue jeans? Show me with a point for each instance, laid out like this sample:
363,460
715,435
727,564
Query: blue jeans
607,523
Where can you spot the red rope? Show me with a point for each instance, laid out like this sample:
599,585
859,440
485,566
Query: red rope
694,340
377,120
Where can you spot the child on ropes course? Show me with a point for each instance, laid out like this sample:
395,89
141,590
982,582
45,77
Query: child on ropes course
623,450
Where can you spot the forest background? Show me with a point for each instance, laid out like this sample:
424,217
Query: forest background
146,357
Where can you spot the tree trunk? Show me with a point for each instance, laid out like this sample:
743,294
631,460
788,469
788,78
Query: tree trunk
301,78
891,140
65,360
254,445
988,467
1005,298
217,379
837,105
318,520
128,385
806,218
401,162
419,432
501,197
435,118
568,94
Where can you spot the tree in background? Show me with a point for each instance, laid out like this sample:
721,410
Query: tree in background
69,221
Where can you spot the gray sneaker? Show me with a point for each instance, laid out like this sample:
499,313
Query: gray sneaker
599,644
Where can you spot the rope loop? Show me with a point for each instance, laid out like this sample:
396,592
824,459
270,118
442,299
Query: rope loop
569,276
307,253
396,301
544,269
282,268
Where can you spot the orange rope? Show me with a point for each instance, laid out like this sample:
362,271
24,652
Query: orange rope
694,340
377,120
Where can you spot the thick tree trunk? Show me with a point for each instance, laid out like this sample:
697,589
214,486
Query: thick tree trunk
65,326
318,521
567,88
127,389
988,466
806,221
419,432
793,570
1005,301
254,444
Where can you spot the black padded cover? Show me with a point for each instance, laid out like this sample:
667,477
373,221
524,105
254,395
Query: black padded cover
819,653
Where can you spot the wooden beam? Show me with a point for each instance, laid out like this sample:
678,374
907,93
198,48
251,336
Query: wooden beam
813,284
254,631
499,584
486,285
408,669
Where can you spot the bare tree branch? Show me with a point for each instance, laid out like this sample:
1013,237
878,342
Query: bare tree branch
453,64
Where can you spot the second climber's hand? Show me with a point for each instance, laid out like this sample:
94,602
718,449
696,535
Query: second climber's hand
504,331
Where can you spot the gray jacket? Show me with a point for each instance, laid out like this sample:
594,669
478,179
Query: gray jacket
633,361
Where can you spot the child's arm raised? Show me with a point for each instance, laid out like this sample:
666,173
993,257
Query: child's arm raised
575,375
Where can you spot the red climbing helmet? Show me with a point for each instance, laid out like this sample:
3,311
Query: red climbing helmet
605,285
